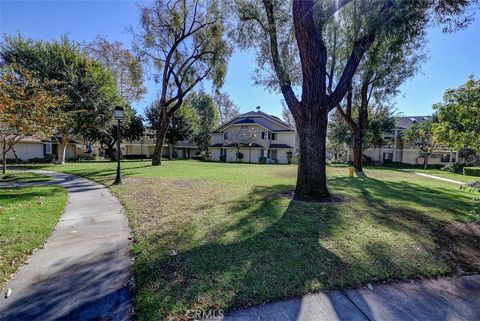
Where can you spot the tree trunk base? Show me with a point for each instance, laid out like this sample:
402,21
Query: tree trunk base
321,199
360,174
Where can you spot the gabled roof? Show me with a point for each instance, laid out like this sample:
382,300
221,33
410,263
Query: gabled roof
407,121
270,122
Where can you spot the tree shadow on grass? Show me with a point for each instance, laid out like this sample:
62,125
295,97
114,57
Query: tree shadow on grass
457,240
272,252
276,248
83,288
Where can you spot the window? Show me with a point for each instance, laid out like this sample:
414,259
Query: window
264,134
273,154
47,149
274,136
225,135
445,158
262,153
387,157
151,136
223,152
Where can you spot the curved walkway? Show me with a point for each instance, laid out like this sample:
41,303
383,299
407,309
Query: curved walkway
83,271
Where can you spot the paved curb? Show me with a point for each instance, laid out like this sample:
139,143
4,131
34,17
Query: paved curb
83,271
453,299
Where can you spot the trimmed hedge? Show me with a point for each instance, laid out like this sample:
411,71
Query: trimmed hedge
135,156
472,171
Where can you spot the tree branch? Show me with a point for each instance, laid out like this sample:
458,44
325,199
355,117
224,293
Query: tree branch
282,74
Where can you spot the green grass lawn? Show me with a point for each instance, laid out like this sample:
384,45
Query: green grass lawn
27,217
22,177
225,236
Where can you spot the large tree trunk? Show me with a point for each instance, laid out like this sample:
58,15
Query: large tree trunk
160,139
162,128
358,152
62,150
425,161
4,156
312,178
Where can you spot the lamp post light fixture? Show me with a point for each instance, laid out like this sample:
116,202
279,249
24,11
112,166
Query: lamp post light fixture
119,116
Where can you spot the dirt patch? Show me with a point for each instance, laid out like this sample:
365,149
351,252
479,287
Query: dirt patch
461,245
160,201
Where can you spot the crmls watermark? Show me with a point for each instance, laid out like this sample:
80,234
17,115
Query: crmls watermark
204,314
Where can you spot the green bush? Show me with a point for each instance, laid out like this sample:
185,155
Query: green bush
48,158
289,157
239,155
262,160
454,168
223,158
475,212
471,171
471,186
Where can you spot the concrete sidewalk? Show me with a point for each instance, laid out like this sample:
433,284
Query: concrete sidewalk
83,271
427,300
440,178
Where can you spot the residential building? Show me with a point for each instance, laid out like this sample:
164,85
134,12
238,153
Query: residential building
145,146
34,146
397,150
254,135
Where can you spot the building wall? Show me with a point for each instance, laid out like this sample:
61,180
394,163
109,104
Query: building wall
25,151
253,133
249,155
408,156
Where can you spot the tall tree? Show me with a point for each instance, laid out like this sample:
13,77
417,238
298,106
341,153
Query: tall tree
126,68
458,124
420,136
226,107
185,41
387,64
27,107
320,92
131,129
90,88
179,128
381,120
205,118
290,37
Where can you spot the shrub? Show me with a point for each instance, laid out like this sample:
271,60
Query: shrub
14,161
262,160
289,157
135,156
454,168
223,158
475,212
472,186
471,171
239,155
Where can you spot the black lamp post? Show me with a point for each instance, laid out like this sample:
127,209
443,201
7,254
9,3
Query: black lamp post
119,117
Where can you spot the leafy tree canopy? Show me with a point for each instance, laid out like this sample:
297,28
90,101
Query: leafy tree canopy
458,117
125,67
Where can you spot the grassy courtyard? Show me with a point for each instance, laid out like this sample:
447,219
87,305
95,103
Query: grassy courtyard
27,217
22,177
224,236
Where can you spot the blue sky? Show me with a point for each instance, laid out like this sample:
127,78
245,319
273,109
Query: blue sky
453,57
